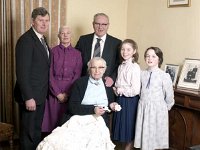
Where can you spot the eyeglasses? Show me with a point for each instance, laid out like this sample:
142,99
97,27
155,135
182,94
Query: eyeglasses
99,68
100,24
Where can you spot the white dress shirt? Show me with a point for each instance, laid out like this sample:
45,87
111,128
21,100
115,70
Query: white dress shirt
102,42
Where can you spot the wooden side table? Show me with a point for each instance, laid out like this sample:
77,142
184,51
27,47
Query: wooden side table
184,121
6,133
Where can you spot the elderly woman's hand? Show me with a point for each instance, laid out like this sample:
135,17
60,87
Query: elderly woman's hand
99,110
62,97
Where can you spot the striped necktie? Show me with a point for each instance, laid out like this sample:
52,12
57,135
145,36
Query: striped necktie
97,48
45,46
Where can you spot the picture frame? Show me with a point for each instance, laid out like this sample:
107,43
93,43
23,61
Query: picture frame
179,3
190,75
173,71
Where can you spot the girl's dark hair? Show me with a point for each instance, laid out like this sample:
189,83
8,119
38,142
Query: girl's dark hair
134,46
158,52
39,11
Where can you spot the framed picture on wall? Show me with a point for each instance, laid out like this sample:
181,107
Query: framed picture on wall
173,71
178,3
190,75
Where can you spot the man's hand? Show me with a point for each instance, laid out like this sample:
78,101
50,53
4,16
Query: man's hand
30,105
109,81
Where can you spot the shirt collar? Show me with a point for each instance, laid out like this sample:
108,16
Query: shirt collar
63,47
95,82
128,61
153,69
103,38
38,34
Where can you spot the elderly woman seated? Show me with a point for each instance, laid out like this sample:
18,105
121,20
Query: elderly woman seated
89,104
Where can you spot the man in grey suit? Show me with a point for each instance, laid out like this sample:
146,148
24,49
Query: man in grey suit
109,47
32,72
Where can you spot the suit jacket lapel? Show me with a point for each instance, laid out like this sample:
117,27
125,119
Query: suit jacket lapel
89,47
43,50
40,46
105,54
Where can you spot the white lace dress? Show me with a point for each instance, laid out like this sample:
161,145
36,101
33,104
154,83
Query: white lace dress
79,133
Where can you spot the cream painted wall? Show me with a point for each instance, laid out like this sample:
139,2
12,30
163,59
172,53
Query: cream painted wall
175,30
149,22
80,16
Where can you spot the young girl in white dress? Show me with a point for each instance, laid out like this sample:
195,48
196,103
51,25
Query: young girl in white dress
156,99
127,89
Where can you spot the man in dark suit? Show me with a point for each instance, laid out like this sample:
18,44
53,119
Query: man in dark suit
109,47
32,72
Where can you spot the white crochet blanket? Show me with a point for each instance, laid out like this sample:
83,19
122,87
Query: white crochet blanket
79,133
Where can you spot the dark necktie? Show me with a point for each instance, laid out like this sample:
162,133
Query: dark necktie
148,83
45,46
97,48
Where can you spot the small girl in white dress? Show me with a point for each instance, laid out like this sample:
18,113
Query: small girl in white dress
156,99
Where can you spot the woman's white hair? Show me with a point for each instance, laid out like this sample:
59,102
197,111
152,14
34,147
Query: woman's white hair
96,59
63,27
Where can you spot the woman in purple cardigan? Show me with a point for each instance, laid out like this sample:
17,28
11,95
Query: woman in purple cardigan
66,66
